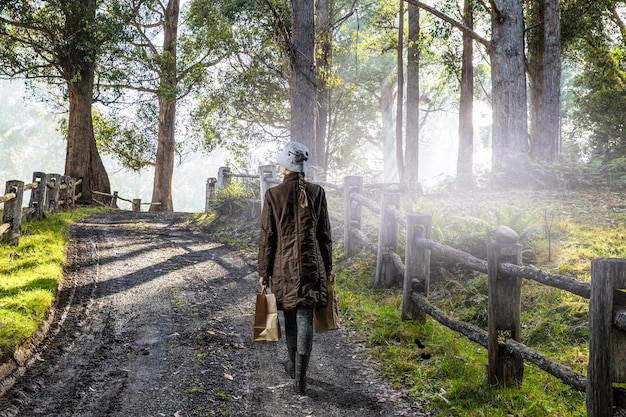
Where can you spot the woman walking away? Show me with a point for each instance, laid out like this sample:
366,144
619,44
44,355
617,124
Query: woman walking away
295,254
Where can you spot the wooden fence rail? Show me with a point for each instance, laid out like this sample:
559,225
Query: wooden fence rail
136,202
49,193
506,353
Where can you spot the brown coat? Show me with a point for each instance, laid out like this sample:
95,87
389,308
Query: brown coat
295,247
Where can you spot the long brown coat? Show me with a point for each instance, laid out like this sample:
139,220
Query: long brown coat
295,247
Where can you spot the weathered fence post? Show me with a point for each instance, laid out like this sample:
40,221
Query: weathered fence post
386,271
223,177
607,343
13,211
210,190
137,204
417,264
265,172
352,213
66,194
38,196
504,309
114,199
71,193
53,183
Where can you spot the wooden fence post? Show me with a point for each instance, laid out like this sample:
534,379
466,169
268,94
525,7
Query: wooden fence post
223,177
417,264
38,196
265,172
352,213
66,194
137,204
114,199
386,271
607,343
504,309
210,190
13,211
53,183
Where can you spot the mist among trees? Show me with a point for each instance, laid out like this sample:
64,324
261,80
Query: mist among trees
468,93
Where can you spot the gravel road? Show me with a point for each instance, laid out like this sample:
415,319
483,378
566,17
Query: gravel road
154,318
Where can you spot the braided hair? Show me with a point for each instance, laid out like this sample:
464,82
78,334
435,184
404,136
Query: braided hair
302,199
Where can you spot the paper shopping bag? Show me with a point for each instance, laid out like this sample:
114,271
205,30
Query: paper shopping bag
327,318
266,325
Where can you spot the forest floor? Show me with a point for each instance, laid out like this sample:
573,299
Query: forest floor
154,318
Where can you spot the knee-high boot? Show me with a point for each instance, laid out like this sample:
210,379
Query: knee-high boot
302,363
290,364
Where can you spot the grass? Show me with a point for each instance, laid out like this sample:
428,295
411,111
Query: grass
446,371
443,370
29,276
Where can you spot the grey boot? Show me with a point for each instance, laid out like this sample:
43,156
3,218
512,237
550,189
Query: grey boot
290,366
302,363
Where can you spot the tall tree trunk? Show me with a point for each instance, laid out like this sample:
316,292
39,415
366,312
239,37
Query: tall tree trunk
400,95
324,68
390,167
544,74
164,163
510,125
465,156
302,81
82,160
413,100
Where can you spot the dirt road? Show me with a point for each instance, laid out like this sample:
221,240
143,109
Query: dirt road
155,319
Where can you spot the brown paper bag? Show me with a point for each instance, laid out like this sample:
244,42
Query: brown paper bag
327,318
266,325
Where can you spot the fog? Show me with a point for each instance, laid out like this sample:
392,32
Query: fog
30,141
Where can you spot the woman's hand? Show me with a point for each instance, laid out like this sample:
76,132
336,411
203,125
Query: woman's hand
264,281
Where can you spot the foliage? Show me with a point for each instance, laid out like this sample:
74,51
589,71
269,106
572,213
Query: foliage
233,215
145,76
39,40
29,276
594,40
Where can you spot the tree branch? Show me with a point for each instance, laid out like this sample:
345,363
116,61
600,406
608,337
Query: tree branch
496,10
282,28
469,31
620,23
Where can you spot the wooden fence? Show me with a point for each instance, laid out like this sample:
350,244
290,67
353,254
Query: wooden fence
136,202
506,353
49,193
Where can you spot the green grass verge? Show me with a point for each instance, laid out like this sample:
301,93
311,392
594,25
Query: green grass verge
29,275
441,368
449,374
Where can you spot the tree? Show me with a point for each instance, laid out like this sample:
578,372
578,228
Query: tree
61,42
164,63
302,80
412,98
510,149
594,36
544,75
400,95
323,61
465,156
